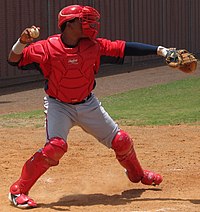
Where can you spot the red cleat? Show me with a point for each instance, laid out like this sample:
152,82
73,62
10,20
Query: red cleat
151,178
21,201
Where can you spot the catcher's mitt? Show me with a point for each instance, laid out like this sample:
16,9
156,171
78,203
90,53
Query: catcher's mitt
182,60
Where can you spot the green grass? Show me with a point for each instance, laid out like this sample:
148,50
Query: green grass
24,119
167,104
36,114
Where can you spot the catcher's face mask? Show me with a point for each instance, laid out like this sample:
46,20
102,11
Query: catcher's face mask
88,16
90,22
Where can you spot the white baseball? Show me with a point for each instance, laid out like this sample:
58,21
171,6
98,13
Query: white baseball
34,33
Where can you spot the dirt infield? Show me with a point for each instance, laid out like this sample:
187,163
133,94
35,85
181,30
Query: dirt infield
89,178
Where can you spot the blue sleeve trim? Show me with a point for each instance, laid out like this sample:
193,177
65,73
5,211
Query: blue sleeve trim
139,49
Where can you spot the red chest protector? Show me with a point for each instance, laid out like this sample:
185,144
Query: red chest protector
71,70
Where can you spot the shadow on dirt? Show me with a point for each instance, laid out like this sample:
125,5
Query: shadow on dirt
96,199
5,102
104,199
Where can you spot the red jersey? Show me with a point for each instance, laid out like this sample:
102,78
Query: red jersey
70,72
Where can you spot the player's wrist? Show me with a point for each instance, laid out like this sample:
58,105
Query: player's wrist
162,51
18,47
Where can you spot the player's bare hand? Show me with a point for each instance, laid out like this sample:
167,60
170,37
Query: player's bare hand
29,34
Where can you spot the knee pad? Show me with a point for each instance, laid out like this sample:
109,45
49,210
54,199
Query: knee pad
122,144
54,150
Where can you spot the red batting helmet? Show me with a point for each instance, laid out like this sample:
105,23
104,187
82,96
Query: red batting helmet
88,16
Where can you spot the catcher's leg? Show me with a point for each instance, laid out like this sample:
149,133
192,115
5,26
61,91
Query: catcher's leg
37,165
125,154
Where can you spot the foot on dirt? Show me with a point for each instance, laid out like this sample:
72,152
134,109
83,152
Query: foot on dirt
21,201
151,178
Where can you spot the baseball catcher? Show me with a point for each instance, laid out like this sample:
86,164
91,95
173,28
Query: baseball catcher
69,62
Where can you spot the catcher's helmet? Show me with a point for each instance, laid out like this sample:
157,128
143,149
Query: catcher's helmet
88,16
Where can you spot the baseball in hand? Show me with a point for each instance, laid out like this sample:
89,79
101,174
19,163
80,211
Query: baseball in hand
34,32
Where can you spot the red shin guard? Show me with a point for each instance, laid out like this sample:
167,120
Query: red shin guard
38,164
122,144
